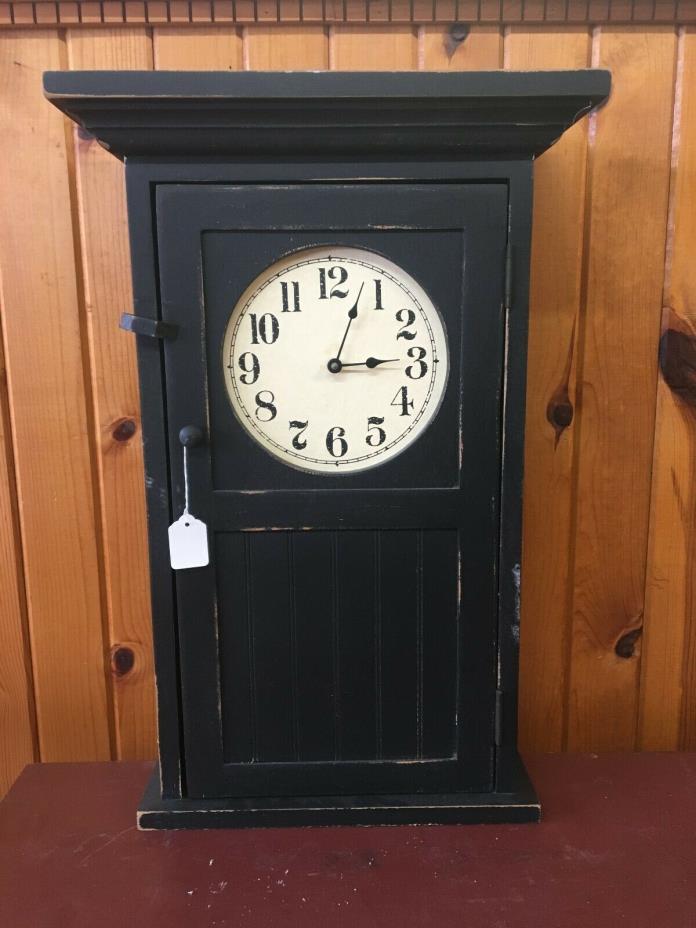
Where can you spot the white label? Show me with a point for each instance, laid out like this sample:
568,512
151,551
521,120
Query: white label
188,543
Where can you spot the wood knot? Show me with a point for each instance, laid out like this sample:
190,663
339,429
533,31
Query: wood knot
560,413
454,37
626,645
124,429
122,660
678,360
559,409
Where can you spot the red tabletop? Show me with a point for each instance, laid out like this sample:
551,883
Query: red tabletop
617,846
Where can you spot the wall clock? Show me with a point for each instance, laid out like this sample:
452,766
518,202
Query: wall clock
330,281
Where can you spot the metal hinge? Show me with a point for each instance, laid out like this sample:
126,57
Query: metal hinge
498,722
153,328
507,293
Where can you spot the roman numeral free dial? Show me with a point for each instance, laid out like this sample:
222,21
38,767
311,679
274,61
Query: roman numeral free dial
335,360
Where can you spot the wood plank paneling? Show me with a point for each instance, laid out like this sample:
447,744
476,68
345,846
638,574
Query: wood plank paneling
49,407
373,48
628,195
668,690
554,299
106,275
197,48
286,48
17,720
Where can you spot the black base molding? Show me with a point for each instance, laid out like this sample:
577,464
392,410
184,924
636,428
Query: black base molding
519,806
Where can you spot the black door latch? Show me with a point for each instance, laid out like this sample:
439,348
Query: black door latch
154,328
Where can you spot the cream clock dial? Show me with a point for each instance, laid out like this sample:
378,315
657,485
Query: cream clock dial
335,360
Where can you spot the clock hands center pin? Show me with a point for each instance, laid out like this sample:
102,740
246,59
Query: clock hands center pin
334,364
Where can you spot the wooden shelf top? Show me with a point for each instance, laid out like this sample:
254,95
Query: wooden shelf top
615,847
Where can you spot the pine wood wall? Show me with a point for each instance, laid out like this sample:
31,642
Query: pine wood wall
608,648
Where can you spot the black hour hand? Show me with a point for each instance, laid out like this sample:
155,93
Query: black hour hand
370,362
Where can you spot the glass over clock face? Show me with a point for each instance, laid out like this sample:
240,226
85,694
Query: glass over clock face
335,360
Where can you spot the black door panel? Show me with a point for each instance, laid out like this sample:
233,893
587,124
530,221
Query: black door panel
351,620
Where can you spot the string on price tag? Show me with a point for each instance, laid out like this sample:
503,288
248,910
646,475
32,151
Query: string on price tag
188,536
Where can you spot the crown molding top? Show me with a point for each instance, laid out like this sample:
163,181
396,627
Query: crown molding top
329,114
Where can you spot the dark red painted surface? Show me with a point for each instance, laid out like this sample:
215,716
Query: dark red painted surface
617,847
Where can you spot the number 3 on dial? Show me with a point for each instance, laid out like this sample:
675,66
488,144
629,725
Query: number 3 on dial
335,360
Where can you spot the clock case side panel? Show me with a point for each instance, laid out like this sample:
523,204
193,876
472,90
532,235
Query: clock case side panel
510,773
142,176
146,305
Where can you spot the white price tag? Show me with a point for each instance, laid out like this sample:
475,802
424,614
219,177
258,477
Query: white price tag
188,543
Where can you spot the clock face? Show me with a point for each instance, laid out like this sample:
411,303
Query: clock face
335,360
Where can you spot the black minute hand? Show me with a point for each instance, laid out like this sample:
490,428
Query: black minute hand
352,313
370,362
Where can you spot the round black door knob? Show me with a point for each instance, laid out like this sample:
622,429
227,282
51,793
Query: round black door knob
190,436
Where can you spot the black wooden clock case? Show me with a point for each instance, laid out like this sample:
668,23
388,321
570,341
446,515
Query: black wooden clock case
351,653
